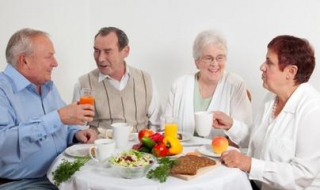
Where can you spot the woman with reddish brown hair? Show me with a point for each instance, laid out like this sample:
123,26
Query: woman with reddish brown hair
284,139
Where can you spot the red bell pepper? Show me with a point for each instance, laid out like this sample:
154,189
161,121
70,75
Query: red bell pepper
159,150
157,137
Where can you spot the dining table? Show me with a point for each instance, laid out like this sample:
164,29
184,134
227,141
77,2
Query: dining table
96,176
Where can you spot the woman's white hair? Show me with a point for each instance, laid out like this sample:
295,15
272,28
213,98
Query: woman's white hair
208,37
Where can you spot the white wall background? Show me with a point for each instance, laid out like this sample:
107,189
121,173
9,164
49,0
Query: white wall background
161,33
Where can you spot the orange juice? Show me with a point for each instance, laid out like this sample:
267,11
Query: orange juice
171,129
86,100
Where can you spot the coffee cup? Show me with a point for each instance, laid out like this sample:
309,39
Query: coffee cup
102,149
120,134
203,122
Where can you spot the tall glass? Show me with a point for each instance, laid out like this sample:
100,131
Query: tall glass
171,127
86,97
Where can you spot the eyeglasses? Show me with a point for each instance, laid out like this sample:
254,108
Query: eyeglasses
209,59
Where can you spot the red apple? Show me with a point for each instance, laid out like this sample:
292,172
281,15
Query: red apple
219,144
145,133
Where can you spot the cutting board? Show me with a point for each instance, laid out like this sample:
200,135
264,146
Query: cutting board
200,172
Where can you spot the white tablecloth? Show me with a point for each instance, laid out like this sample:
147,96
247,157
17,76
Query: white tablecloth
95,176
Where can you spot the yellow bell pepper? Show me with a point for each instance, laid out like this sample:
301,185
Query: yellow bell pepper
173,144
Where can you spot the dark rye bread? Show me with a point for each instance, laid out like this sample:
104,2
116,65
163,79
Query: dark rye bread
188,165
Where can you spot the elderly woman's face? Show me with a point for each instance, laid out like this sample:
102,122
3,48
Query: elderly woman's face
273,78
211,62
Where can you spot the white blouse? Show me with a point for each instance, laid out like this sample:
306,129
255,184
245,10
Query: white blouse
285,151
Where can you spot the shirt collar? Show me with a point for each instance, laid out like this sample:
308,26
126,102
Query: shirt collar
295,98
102,76
20,82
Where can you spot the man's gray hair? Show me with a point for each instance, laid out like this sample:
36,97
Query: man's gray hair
21,43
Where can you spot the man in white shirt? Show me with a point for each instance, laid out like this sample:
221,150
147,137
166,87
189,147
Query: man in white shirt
122,93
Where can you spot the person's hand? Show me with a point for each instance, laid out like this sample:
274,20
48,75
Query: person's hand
221,120
76,114
86,136
235,159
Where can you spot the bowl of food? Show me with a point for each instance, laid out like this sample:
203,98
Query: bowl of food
132,164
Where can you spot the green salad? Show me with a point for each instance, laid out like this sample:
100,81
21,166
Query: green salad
132,158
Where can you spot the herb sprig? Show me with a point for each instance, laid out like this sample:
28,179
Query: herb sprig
66,169
163,170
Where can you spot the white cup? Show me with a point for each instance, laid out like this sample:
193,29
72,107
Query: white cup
120,134
102,149
107,133
203,122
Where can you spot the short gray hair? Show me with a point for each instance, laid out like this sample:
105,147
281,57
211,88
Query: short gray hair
208,37
21,43
123,40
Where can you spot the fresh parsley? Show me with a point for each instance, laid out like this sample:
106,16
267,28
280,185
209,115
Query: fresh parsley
66,169
163,170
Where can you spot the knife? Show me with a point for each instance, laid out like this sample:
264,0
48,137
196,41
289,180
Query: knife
194,144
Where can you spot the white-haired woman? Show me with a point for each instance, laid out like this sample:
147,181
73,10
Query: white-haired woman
210,89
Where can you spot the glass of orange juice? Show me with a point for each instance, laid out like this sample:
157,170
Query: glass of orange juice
86,97
171,127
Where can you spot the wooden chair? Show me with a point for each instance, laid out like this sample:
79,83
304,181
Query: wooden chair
249,95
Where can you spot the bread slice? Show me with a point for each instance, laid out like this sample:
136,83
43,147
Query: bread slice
188,165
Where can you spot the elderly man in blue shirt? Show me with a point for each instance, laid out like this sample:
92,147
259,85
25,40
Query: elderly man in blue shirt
35,123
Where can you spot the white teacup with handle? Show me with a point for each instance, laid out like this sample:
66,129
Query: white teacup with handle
102,150
203,122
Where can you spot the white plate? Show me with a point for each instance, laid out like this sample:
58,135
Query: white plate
78,150
207,150
133,137
185,136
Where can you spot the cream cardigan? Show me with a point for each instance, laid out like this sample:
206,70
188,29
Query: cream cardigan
230,97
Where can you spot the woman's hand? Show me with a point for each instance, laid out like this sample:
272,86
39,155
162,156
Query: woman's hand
235,159
221,120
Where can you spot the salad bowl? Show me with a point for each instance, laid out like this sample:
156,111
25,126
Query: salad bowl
132,164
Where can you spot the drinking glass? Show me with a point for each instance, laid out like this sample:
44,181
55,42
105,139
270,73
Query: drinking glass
86,97
170,127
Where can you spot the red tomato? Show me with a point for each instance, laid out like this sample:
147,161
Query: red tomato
145,133
159,150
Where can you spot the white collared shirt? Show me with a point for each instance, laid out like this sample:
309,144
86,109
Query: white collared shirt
285,151
115,83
